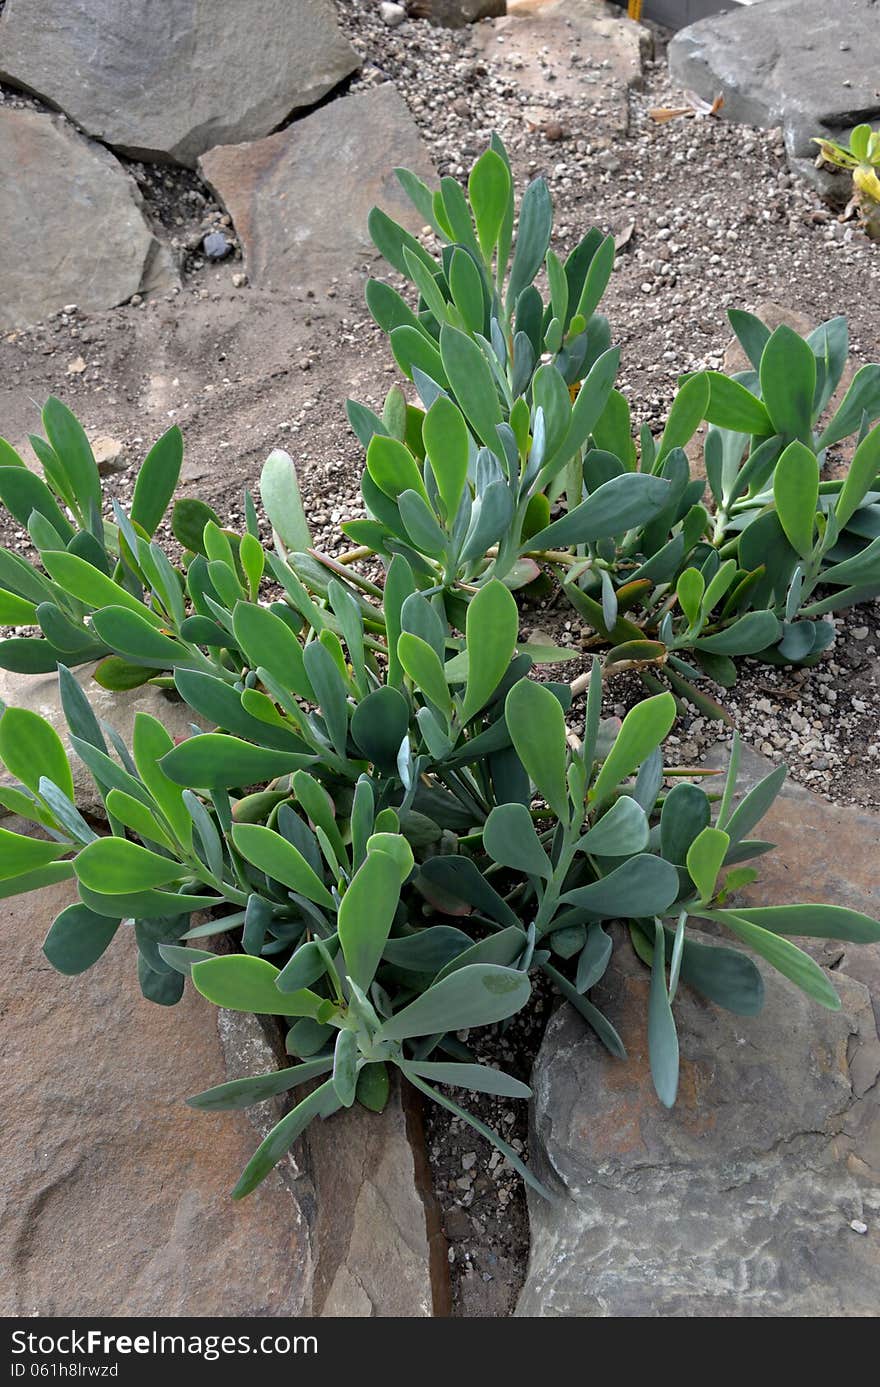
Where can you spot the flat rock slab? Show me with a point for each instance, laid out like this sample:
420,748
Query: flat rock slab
568,58
300,199
73,228
804,65
114,1196
738,1202
372,1232
39,693
169,81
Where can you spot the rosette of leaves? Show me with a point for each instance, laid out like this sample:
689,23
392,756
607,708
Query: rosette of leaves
482,297
418,745
510,389
787,531
615,845
83,557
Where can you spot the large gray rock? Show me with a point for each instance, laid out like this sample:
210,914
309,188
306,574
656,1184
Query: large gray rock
39,692
804,65
169,80
73,229
740,1201
300,199
114,1196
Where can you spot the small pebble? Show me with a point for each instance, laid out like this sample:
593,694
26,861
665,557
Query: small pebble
392,14
216,246
858,1226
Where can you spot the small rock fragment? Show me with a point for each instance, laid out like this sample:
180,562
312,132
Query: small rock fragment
392,14
216,246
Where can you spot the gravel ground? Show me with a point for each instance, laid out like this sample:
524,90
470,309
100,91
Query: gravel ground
707,217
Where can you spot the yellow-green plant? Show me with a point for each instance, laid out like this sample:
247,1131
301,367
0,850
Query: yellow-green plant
861,158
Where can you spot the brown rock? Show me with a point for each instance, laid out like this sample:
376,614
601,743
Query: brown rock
738,1202
39,692
300,198
371,1235
115,1194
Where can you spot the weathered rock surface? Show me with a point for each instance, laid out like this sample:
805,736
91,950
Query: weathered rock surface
39,692
300,199
738,1202
371,1232
114,1196
804,65
73,229
568,55
170,81
358,1181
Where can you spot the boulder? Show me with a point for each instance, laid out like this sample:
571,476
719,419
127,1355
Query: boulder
804,65
114,1196
300,198
169,81
73,227
745,1199
749,1198
39,692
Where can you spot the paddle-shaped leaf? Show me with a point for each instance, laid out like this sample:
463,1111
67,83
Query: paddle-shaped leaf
510,839
621,831
796,493
279,491
320,1102
366,914
78,938
280,860
641,732
446,439
536,724
491,634
256,1088
114,865
478,1077
705,857
645,885
785,957
215,761
31,748
473,996
662,1037
788,382
241,982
